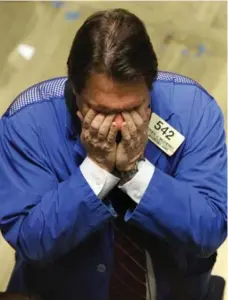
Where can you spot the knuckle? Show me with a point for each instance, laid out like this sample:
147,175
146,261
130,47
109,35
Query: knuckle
107,147
85,135
96,146
104,147
101,135
110,139
85,139
134,132
93,127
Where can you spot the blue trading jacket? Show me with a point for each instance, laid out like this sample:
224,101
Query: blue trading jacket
62,232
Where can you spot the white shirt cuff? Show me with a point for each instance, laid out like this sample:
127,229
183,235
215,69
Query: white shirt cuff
100,181
136,187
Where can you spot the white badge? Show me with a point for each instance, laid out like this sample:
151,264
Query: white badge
163,135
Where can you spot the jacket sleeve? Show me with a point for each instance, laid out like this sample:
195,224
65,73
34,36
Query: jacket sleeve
41,218
188,208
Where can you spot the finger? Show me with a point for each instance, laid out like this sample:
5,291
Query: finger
138,120
96,124
105,127
79,114
130,123
85,136
111,138
125,133
148,112
141,111
119,121
89,118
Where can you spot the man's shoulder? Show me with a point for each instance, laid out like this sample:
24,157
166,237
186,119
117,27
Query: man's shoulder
45,91
174,78
177,94
38,111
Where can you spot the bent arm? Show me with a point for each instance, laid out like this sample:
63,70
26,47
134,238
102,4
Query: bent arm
41,218
188,208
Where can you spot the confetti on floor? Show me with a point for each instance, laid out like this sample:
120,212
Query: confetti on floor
57,4
201,50
185,52
72,15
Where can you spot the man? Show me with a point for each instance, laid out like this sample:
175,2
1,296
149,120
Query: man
95,207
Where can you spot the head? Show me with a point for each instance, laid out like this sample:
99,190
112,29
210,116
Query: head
112,64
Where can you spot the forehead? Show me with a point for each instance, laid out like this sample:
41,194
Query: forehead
105,95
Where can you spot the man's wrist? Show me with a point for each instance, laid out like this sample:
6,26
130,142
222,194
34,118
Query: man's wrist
137,186
126,176
99,179
108,169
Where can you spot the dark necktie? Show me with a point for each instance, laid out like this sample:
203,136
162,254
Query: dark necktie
128,279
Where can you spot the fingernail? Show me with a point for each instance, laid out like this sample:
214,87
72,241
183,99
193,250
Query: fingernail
79,114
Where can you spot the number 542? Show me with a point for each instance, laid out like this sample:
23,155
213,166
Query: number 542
165,130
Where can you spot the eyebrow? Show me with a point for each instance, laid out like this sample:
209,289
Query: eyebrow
107,110
113,110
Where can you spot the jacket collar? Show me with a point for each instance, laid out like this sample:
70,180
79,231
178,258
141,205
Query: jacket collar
158,102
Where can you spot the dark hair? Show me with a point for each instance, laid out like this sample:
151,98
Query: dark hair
115,43
16,296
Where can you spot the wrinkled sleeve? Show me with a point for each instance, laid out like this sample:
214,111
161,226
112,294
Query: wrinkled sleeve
40,217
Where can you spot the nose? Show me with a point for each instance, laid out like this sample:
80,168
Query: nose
119,121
